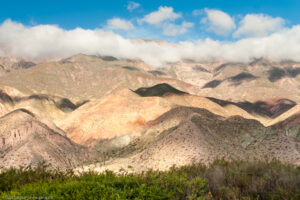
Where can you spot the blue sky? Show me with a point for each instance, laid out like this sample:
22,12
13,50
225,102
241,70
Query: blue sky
203,30
91,14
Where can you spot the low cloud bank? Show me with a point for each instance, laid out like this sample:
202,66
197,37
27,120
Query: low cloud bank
50,41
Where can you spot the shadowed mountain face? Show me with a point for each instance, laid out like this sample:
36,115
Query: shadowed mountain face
131,68
276,74
242,76
22,64
238,79
270,109
200,68
63,104
158,90
293,72
108,58
48,107
157,73
5,98
11,64
212,84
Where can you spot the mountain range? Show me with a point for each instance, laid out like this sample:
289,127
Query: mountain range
90,112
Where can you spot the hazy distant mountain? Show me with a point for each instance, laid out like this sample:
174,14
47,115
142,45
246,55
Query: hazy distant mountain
84,77
259,80
8,64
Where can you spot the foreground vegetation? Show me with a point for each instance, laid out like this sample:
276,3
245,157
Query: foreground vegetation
220,180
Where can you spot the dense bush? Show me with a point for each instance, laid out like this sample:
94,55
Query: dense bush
220,180
16,178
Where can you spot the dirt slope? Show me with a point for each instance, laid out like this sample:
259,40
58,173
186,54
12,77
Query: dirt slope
82,77
127,112
185,135
26,141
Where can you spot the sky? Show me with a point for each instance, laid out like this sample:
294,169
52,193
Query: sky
232,30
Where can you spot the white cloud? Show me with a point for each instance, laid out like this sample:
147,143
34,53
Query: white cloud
256,25
218,21
49,41
197,12
118,23
162,14
174,29
132,5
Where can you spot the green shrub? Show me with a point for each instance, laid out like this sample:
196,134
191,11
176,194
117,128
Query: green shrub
220,180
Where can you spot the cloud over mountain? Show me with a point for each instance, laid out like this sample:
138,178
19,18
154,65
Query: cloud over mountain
50,41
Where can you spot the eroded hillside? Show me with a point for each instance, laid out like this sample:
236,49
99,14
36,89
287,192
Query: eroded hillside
125,114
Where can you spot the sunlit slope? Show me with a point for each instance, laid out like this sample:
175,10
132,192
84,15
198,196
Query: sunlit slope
82,77
185,135
26,141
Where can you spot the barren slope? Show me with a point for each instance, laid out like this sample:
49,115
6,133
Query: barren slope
256,81
127,112
83,77
26,141
118,114
185,135
47,107
8,64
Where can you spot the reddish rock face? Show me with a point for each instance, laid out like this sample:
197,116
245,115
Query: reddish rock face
119,114
126,112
